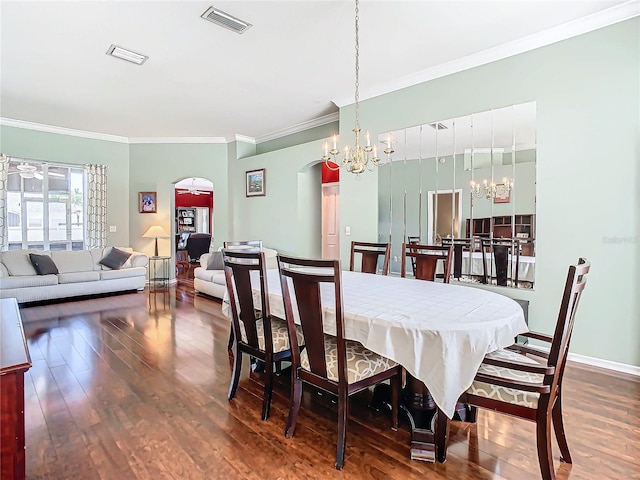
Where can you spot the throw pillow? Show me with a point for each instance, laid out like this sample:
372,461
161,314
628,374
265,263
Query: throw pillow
215,262
114,259
43,264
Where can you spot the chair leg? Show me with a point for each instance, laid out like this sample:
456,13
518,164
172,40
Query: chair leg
543,439
472,414
558,427
268,387
235,375
395,399
343,415
294,408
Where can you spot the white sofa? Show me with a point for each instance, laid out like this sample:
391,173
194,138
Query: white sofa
79,273
213,283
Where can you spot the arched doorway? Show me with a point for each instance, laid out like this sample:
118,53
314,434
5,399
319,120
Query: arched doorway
193,206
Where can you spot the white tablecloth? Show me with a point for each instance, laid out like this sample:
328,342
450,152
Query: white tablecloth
526,266
440,333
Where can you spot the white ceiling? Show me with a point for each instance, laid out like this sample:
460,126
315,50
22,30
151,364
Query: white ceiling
293,66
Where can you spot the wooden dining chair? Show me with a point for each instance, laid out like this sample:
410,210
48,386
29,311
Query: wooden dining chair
371,252
415,240
255,332
511,382
426,258
332,363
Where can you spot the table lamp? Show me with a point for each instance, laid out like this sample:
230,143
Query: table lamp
156,231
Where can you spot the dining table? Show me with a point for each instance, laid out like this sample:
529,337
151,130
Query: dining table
440,333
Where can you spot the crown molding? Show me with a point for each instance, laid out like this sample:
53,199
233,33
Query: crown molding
610,16
245,139
9,122
316,122
182,140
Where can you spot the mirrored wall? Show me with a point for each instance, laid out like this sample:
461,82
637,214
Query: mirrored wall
469,182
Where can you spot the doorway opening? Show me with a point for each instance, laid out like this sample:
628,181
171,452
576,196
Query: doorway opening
445,215
193,224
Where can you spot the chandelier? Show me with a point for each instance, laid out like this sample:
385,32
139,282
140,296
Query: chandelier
489,189
358,158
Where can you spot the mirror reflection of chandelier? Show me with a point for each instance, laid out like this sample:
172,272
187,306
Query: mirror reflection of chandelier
490,189
358,158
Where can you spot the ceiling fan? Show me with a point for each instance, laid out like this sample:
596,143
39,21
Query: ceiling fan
193,190
31,171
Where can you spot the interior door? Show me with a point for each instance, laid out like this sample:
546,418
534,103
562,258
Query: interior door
331,220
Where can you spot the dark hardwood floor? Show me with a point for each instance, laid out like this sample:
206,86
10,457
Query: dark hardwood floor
134,387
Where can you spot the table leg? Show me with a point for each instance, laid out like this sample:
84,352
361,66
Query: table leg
420,409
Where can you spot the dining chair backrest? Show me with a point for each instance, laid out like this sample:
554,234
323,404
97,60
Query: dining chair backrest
426,258
301,281
505,253
238,268
371,252
243,244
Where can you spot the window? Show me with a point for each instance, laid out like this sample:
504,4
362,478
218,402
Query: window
45,205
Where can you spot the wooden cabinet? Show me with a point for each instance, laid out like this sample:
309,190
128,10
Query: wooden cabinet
500,226
14,362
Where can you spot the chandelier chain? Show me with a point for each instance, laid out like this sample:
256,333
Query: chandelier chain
357,96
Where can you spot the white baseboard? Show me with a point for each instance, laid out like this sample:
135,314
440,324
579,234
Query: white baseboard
600,363
606,364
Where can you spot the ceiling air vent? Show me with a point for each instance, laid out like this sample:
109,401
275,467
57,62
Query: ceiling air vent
438,126
225,20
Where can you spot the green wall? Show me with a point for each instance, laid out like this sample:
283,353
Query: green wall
278,218
157,167
587,94
52,147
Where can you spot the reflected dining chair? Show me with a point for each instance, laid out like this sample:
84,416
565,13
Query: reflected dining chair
426,258
256,333
331,363
371,252
510,381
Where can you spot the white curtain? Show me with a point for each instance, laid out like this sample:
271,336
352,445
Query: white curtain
96,206
4,214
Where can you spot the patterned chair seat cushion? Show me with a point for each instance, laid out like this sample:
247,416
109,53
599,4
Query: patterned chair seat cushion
361,362
279,332
510,395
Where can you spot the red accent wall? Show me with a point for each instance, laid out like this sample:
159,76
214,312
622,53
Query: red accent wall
328,175
191,200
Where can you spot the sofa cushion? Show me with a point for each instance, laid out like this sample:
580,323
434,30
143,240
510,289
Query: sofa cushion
213,276
115,258
22,281
43,264
78,277
215,261
123,273
72,261
3,271
18,262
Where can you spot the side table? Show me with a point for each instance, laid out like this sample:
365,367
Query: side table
158,270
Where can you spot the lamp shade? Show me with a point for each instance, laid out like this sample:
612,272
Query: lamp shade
156,231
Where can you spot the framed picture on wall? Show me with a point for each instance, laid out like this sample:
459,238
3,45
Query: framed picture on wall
256,183
503,195
147,202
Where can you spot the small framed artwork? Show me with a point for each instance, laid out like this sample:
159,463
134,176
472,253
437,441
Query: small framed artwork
147,202
503,195
256,183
